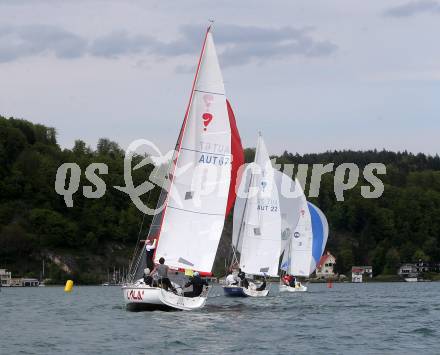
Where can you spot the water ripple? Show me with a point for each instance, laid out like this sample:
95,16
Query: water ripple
385,318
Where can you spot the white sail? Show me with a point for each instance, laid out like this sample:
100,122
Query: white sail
290,199
307,244
195,210
297,257
290,193
260,234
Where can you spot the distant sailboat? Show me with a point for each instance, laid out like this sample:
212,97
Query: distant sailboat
257,225
306,244
201,189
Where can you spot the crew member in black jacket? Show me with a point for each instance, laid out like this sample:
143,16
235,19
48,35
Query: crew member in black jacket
197,284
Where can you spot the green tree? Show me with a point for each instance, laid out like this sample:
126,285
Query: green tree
51,229
392,261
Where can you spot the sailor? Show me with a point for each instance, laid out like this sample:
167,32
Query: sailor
197,284
148,279
162,273
242,277
149,252
289,280
292,281
231,280
286,279
262,286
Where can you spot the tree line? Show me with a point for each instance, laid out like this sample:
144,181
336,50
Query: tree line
403,225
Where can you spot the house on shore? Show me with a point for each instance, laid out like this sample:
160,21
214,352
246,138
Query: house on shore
361,273
24,282
408,270
5,278
325,267
427,266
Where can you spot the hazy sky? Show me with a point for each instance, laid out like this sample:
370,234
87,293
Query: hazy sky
311,75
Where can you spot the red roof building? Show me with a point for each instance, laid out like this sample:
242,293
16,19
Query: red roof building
325,266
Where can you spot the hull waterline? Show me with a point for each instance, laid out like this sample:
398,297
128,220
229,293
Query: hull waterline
140,297
234,291
285,288
238,291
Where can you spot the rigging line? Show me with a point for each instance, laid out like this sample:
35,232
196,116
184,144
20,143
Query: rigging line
141,253
203,152
189,211
136,251
209,92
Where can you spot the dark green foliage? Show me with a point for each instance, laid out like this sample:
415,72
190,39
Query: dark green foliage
34,219
401,226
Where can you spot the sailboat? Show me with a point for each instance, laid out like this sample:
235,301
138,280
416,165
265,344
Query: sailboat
257,225
305,246
200,191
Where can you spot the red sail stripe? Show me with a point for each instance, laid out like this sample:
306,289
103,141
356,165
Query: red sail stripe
237,159
237,162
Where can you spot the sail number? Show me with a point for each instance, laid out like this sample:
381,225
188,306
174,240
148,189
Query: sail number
267,208
214,159
135,295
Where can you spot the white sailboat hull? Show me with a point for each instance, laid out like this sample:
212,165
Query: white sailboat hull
255,293
141,297
239,291
285,288
411,279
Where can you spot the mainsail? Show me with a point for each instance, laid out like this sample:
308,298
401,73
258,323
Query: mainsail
290,200
290,193
207,157
307,243
258,238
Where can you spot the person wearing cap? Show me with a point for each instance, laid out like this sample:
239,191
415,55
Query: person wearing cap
197,284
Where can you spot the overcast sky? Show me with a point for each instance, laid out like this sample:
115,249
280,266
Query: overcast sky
311,75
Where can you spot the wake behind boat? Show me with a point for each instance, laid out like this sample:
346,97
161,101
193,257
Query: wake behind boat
199,194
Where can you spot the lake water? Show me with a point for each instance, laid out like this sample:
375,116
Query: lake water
374,318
